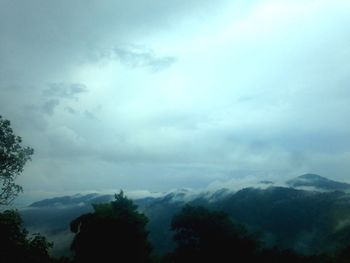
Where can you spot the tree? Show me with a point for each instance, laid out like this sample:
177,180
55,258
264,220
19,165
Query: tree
115,231
13,157
208,236
15,244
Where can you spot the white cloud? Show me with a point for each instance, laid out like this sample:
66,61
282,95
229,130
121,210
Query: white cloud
113,94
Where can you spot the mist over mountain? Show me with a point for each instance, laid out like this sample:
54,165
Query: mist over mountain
287,217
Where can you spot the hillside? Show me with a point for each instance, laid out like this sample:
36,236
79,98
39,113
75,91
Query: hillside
303,220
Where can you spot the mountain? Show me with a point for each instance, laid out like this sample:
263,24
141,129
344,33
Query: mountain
290,218
318,182
72,200
306,221
286,217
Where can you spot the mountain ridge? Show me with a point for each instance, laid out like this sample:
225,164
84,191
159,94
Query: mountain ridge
287,217
318,182
311,181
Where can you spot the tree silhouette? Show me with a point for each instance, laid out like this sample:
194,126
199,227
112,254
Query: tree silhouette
13,157
16,246
343,255
207,236
115,232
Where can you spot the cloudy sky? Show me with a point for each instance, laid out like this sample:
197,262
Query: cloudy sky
154,94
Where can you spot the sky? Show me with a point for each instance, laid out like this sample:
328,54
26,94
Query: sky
157,95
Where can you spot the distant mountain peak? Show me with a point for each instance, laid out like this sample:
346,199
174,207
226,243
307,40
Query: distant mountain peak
318,182
72,200
312,177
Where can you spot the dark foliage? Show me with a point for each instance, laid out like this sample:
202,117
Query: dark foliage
207,236
115,232
289,215
343,256
202,235
15,244
13,157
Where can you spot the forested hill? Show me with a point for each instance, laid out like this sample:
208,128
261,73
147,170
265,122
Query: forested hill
287,217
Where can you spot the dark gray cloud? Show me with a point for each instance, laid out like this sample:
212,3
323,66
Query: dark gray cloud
142,58
44,40
90,115
65,91
49,106
70,110
55,94
134,56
